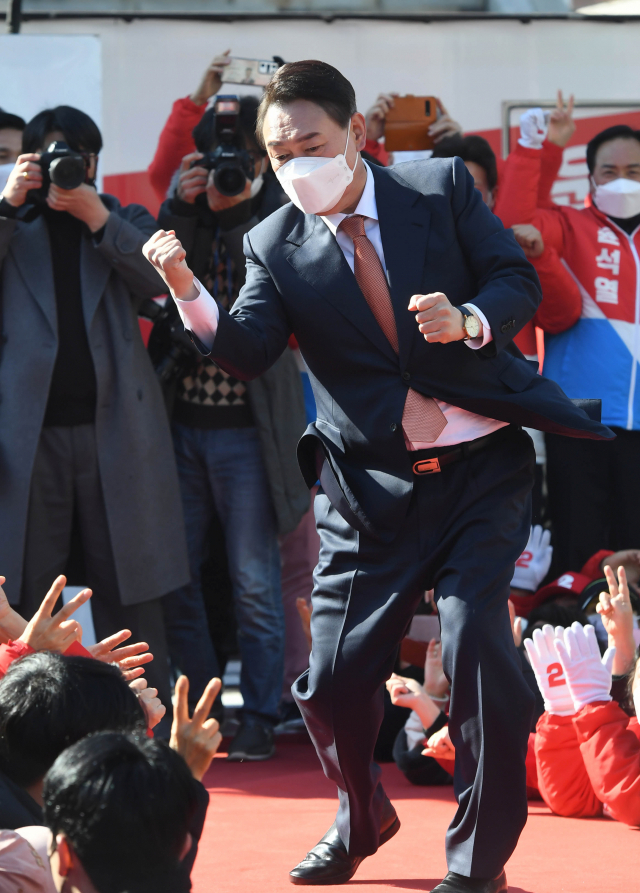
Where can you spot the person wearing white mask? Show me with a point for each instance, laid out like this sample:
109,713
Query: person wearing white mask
593,487
235,446
404,293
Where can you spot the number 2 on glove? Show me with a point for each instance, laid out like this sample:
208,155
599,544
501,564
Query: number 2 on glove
554,675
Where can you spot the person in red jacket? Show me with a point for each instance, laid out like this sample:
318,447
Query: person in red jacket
595,356
562,303
176,140
587,748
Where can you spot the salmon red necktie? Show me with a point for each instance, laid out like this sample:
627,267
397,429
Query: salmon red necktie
422,420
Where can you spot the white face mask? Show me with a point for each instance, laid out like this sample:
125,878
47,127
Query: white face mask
5,170
619,198
315,185
256,183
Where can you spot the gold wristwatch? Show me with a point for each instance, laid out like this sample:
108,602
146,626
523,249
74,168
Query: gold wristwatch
470,324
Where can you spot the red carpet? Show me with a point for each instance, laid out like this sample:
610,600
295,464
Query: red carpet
263,817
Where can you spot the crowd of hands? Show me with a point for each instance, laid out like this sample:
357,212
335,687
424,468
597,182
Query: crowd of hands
567,663
568,666
196,738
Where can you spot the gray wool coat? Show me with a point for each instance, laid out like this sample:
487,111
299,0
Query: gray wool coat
135,451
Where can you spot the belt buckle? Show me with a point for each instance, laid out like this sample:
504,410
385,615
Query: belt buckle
427,466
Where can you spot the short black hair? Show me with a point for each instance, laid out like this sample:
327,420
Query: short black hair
124,803
81,133
204,133
49,701
617,132
555,614
314,81
470,148
11,122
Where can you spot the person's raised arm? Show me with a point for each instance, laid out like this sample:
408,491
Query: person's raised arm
562,778
196,739
560,130
508,287
524,181
244,343
47,631
611,754
176,138
614,607
12,625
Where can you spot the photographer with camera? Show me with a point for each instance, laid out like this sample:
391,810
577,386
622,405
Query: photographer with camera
235,442
83,431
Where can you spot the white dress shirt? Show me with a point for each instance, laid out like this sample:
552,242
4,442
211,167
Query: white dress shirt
201,317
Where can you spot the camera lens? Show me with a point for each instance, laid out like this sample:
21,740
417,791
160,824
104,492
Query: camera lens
229,179
67,172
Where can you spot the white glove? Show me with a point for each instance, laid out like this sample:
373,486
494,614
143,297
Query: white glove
548,670
533,128
588,676
534,563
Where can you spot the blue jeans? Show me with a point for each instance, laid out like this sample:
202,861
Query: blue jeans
222,471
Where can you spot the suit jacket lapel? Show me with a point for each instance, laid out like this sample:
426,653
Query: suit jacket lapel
319,260
404,228
32,253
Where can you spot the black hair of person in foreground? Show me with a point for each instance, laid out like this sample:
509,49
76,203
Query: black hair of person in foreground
119,808
48,702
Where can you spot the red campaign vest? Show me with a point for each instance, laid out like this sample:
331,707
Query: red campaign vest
605,262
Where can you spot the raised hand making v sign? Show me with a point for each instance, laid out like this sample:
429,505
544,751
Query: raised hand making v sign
47,631
617,618
196,739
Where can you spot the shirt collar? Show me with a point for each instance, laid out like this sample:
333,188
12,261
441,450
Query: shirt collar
366,206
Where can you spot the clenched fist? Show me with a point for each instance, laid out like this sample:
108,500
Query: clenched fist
437,318
165,252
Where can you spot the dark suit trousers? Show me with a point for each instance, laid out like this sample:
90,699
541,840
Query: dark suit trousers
66,481
464,530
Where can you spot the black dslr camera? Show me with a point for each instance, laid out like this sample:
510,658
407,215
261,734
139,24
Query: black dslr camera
232,165
62,166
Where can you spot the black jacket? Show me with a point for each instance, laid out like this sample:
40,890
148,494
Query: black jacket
437,235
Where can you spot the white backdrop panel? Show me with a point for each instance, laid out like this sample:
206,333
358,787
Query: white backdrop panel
471,65
41,71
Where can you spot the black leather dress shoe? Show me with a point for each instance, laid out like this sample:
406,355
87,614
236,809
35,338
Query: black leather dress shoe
458,883
330,863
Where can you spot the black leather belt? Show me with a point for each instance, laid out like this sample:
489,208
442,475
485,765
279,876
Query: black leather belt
433,461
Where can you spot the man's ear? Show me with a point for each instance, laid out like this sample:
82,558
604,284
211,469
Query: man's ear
65,855
359,128
186,846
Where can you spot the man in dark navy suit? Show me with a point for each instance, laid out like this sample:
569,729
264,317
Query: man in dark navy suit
404,293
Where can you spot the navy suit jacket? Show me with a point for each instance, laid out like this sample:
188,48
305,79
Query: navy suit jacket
437,235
